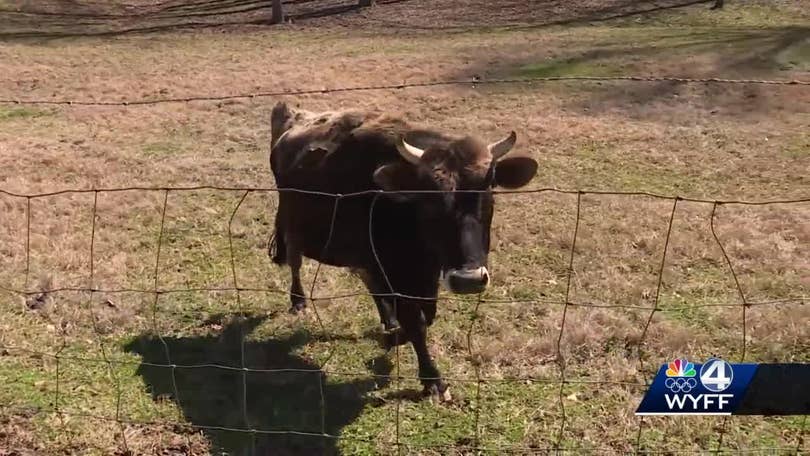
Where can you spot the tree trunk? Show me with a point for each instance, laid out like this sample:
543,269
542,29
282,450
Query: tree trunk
278,13
364,3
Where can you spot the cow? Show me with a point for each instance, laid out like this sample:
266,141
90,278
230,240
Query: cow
414,211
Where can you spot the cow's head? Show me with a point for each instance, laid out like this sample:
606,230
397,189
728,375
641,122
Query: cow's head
456,219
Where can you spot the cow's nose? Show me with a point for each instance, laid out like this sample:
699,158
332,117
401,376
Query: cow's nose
466,281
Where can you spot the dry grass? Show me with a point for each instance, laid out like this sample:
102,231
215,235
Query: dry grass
724,142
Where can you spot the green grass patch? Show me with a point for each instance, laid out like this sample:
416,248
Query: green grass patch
702,284
570,67
86,384
15,113
22,383
365,48
686,309
797,151
796,57
506,414
749,14
602,167
161,149
641,49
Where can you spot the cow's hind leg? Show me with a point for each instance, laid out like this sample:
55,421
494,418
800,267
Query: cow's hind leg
298,300
385,307
281,252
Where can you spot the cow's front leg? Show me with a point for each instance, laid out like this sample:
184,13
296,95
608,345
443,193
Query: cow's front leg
393,333
429,374
388,319
413,320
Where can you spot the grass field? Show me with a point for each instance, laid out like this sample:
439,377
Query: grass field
727,142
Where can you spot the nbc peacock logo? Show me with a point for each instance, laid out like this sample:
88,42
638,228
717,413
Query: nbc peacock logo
681,376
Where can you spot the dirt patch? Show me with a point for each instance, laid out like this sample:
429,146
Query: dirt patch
17,435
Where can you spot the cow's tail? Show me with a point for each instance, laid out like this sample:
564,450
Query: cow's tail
277,248
280,121
282,118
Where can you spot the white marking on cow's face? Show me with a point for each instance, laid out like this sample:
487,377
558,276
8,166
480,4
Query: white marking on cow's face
445,283
482,274
485,274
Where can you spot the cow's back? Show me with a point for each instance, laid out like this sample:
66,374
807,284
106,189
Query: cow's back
337,153
334,152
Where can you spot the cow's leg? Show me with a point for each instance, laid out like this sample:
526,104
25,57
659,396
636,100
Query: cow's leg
429,311
415,315
385,304
297,299
282,251
415,324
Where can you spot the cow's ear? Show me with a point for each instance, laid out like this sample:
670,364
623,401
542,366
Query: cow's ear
397,177
515,172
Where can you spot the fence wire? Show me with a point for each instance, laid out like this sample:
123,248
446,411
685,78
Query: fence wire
322,371
475,81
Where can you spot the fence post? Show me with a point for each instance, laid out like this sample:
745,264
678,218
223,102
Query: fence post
278,13
363,3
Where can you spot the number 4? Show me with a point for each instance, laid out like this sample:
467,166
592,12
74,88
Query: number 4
716,375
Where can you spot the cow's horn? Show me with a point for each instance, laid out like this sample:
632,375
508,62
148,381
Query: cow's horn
409,152
500,148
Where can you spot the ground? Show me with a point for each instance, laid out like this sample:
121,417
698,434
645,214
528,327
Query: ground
90,373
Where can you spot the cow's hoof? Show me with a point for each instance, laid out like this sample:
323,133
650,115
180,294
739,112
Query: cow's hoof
438,391
392,338
391,328
298,305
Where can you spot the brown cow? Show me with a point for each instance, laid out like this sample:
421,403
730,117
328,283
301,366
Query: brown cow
431,225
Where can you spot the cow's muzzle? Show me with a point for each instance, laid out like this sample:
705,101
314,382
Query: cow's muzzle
465,281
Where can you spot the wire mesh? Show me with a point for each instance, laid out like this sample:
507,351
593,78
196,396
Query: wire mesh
476,381
388,87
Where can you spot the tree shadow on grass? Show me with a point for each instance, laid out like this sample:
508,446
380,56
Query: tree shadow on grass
735,53
283,390
516,15
738,54
58,19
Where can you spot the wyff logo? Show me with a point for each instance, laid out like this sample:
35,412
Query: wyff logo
681,387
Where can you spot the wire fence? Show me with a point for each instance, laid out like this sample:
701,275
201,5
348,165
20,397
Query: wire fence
59,357
564,378
475,81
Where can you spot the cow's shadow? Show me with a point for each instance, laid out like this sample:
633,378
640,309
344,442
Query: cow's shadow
283,390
